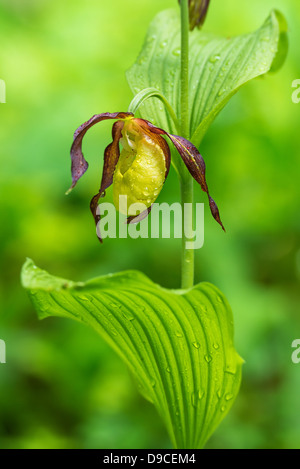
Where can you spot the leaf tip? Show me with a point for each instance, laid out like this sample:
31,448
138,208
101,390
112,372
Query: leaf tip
283,41
27,267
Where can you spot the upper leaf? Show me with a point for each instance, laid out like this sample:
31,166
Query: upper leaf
177,344
218,68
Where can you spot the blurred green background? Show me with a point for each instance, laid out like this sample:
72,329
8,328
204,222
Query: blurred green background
62,387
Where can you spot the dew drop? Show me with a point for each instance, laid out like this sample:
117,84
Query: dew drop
196,345
176,52
221,92
214,58
228,397
141,60
230,371
208,358
127,315
223,408
216,346
83,298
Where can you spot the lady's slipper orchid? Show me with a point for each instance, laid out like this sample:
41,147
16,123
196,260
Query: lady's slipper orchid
141,168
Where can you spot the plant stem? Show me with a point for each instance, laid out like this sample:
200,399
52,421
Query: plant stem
187,255
185,124
186,181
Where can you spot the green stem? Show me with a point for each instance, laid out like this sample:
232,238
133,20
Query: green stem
186,181
185,124
187,255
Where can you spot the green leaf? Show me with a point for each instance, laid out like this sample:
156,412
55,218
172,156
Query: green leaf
177,344
218,68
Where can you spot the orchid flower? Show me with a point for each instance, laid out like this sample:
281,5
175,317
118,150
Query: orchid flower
141,168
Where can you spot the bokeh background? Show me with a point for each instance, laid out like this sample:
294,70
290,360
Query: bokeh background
62,386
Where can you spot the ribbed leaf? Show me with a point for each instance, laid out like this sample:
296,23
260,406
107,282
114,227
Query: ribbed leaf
177,344
218,68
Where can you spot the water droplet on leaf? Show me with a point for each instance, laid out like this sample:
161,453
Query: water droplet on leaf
176,52
214,58
128,315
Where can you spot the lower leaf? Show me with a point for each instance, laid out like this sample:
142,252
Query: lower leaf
178,344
